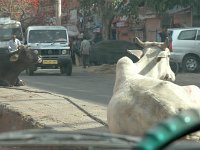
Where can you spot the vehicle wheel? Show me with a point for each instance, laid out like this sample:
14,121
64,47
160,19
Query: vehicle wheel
62,70
29,71
175,67
69,69
190,64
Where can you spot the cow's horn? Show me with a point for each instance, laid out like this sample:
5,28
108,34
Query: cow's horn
138,41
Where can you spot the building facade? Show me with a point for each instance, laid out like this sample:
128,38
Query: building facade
146,26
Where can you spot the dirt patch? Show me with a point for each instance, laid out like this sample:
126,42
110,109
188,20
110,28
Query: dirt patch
105,68
12,120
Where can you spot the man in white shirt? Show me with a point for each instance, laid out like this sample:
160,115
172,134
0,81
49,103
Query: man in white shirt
13,44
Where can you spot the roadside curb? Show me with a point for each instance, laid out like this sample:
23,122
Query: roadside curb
43,109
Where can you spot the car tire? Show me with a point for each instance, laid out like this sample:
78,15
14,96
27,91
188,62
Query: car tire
190,64
62,70
174,67
68,69
29,71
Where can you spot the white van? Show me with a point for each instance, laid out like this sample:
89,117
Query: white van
52,43
9,27
185,44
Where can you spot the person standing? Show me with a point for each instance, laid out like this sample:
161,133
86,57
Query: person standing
71,40
85,51
76,48
163,34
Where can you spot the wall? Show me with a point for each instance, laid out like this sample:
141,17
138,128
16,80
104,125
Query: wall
124,34
184,19
152,27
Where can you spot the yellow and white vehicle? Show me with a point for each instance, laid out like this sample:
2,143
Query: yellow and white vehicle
52,44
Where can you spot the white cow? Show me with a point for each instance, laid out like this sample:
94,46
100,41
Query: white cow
139,101
154,60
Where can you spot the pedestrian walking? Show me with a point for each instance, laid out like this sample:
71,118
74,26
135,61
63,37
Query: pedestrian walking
71,40
85,51
76,49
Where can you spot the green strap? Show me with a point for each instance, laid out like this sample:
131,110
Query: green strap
170,129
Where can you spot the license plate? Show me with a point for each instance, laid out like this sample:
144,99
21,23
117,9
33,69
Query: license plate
50,62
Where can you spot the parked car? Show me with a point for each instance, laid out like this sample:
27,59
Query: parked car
185,44
109,51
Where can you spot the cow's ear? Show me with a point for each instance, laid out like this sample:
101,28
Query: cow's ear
137,53
162,54
25,46
21,47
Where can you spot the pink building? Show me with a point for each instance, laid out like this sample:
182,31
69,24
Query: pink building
149,24
145,27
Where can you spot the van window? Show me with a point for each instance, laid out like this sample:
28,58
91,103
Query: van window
198,35
187,35
6,32
46,36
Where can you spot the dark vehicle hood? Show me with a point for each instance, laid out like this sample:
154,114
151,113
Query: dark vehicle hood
47,138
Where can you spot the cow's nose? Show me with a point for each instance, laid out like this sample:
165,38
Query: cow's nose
166,77
170,77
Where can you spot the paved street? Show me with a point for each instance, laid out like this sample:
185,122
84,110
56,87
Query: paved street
81,85
93,87
188,79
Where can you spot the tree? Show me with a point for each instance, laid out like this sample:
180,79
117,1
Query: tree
108,9
25,11
161,6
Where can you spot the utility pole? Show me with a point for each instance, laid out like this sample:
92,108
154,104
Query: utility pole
58,12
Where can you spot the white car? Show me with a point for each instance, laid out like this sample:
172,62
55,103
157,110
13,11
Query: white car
185,45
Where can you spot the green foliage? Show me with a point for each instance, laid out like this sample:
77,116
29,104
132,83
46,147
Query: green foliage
162,6
108,9
116,6
111,7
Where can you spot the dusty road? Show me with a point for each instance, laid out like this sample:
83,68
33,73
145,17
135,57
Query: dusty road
81,85
93,87
23,108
